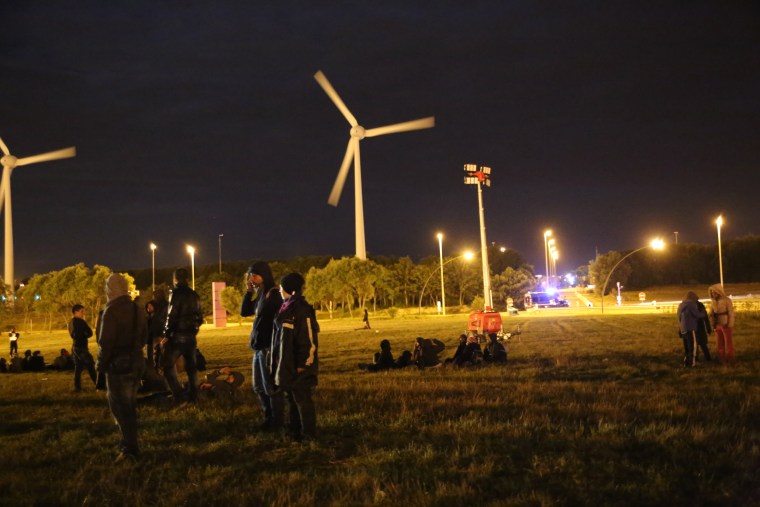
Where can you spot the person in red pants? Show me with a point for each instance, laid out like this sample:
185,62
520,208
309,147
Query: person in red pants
722,318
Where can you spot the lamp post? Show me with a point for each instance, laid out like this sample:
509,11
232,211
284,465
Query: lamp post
480,177
153,263
191,251
547,233
555,256
220,253
655,244
719,223
443,287
467,256
550,245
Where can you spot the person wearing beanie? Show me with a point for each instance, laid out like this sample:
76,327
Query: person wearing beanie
689,317
183,320
294,362
263,300
122,334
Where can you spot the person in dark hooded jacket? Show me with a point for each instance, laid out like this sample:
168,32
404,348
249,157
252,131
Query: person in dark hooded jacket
263,300
294,362
183,320
121,338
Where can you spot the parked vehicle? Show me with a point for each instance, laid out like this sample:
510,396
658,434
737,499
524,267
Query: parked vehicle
544,300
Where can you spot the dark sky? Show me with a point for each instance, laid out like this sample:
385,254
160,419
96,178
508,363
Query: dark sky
608,121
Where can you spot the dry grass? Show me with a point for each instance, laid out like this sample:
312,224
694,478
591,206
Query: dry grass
589,410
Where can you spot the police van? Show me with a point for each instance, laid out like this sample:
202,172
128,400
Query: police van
544,300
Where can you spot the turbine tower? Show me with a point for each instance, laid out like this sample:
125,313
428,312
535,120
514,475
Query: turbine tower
352,152
9,163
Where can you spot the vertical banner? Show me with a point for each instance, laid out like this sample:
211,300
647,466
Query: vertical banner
220,314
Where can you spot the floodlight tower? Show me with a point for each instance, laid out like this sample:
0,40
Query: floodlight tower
481,176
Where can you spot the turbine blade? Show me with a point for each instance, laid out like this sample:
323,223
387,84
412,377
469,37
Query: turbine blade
4,147
342,174
422,123
51,155
330,91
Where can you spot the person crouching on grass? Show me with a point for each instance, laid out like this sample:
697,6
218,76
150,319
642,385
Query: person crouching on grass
294,362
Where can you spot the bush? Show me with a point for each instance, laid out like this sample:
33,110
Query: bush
392,312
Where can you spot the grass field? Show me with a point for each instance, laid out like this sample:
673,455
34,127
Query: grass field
590,410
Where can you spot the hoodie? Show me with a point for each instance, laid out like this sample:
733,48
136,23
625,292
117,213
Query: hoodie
264,304
721,307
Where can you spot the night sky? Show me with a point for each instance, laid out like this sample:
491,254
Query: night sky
607,121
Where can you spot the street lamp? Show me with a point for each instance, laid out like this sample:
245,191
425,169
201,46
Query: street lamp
655,244
467,256
153,263
443,287
220,253
719,223
550,244
191,251
547,233
555,256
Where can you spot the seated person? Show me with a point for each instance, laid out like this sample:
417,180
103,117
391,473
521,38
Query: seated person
63,361
426,352
383,360
404,360
26,361
495,351
471,355
3,365
37,362
223,380
459,350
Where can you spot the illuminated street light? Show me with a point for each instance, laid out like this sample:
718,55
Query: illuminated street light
153,263
655,244
466,256
191,251
443,287
547,233
719,223
555,256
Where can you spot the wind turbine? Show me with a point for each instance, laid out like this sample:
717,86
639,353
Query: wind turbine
352,152
9,163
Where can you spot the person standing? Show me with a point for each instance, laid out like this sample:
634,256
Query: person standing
183,320
722,318
366,319
688,320
156,323
121,338
80,333
704,329
13,337
294,360
263,300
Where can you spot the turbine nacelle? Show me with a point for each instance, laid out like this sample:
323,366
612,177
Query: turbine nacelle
358,132
8,161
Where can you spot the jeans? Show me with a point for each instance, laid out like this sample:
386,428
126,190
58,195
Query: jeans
169,356
122,400
83,361
689,341
303,415
271,400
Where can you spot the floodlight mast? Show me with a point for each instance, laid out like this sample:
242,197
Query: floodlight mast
480,177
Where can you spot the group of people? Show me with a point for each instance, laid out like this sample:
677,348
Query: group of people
696,324
426,350
284,341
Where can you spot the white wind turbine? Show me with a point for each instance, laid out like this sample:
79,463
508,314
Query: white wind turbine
352,152
9,163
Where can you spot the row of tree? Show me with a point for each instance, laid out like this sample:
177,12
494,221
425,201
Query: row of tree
680,264
347,283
